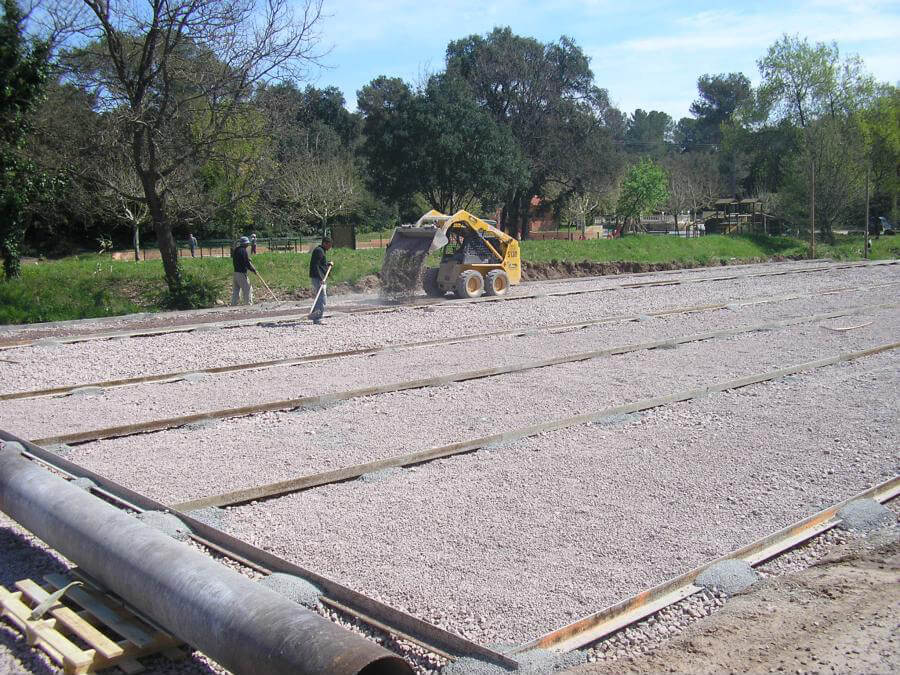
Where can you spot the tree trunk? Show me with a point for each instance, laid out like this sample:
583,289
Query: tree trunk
10,249
166,242
136,240
524,216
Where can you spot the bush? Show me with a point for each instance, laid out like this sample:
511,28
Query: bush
191,293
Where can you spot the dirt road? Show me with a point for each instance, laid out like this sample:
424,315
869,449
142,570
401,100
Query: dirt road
838,616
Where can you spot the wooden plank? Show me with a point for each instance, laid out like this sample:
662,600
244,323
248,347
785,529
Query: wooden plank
43,634
130,666
46,634
72,621
109,616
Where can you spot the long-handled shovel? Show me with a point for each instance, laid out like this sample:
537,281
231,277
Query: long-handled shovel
267,286
321,288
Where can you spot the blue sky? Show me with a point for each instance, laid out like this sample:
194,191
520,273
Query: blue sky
646,53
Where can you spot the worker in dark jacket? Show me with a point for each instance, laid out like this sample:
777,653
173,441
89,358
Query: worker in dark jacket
318,269
242,265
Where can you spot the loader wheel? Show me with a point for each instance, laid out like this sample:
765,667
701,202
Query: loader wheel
470,284
496,283
430,283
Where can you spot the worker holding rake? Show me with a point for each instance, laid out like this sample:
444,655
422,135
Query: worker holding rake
241,284
318,273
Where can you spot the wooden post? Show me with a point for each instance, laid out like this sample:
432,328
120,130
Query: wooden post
812,209
866,244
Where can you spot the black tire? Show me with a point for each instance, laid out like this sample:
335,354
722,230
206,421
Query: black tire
430,283
470,284
496,283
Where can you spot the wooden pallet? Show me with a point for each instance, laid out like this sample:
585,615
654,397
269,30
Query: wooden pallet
86,631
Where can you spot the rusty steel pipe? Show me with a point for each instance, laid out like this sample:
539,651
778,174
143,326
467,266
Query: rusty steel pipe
240,624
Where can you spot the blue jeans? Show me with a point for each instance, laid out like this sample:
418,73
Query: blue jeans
319,308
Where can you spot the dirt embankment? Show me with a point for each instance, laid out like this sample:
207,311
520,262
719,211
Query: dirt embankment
838,616
541,271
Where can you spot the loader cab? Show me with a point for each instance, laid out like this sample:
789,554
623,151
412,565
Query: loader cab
467,247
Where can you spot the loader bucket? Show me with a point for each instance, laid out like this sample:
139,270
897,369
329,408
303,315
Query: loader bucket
404,260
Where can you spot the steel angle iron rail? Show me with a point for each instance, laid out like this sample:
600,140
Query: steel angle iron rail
176,376
289,486
436,381
187,328
366,609
595,627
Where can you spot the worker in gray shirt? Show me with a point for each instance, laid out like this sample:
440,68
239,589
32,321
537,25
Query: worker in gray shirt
242,265
318,269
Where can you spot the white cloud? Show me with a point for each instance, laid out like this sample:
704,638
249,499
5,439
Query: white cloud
726,29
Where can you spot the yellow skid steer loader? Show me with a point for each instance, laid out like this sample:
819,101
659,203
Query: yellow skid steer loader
477,257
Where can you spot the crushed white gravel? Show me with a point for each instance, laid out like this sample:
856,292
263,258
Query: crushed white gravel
188,463
506,543
93,408
72,364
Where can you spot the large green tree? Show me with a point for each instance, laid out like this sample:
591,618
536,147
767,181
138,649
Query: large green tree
720,96
643,190
179,76
439,143
649,133
389,109
813,88
23,74
545,95
880,128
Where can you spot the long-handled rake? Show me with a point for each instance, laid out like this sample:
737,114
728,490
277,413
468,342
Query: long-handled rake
321,288
267,287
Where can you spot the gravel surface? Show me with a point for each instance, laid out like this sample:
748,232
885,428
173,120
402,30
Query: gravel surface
94,408
83,363
183,463
503,545
226,313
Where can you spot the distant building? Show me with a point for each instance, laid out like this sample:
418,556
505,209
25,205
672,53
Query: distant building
740,216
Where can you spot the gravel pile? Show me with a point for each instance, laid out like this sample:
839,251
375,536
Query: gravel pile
296,589
865,515
728,576
535,662
166,523
96,361
401,272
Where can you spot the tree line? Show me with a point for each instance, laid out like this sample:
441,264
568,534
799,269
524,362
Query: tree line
122,117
